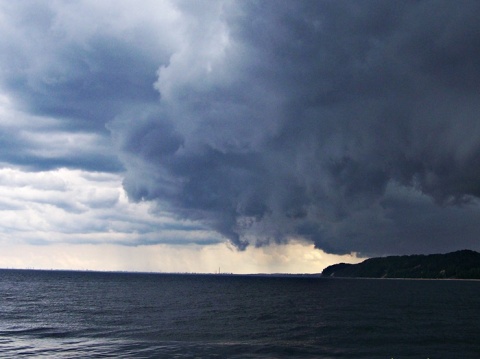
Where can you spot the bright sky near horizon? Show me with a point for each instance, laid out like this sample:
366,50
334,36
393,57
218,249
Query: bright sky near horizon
255,136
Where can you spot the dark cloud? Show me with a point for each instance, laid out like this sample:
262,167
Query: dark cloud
351,124
86,85
64,73
309,119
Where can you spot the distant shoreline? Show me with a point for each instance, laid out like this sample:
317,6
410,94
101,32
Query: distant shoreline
304,275
459,265
419,279
262,275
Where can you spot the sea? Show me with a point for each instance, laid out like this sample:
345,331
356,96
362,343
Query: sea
70,314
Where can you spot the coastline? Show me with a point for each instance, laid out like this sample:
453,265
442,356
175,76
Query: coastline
420,279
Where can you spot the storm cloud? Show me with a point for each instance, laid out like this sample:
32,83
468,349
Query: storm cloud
353,125
340,122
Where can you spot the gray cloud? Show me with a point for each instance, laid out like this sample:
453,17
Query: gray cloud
72,68
350,124
302,122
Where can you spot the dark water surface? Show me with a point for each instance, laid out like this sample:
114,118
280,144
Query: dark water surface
56,314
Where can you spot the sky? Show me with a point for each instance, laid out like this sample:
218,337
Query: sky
252,136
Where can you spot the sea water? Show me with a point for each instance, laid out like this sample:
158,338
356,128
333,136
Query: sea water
61,314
